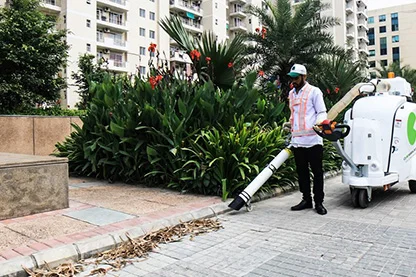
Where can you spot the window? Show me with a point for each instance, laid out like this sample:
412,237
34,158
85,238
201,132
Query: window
88,47
372,63
151,34
396,54
371,36
88,23
142,32
142,13
249,21
142,70
383,62
371,20
382,18
382,29
152,15
142,51
383,46
395,38
394,22
372,53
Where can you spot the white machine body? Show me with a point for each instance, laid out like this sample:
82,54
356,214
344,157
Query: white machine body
382,139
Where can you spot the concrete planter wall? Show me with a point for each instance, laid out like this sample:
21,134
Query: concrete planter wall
34,135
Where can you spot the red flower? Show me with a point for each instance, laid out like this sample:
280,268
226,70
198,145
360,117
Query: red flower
336,90
328,91
195,54
208,60
257,29
152,47
154,80
263,32
261,73
158,78
230,64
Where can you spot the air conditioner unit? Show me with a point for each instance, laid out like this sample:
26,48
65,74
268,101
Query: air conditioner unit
106,30
107,9
106,51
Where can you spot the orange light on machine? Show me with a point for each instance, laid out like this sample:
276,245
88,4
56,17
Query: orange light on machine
390,75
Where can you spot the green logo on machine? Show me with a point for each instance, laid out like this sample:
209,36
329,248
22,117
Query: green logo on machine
411,132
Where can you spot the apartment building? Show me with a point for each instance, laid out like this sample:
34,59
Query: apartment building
120,31
392,36
352,32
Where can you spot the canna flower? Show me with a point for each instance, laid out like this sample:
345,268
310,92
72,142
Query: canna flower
261,73
152,47
195,55
159,78
336,89
230,64
257,29
152,81
263,32
328,91
208,60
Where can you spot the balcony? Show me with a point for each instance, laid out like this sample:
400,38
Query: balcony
238,27
238,13
364,50
120,66
106,42
179,57
349,9
105,22
363,39
238,1
350,35
349,23
186,7
361,3
116,5
362,25
51,6
192,25
362,14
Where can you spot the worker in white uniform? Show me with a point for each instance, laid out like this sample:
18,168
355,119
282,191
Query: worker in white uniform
307,109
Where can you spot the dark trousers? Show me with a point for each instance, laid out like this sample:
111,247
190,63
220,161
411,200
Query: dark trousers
305,157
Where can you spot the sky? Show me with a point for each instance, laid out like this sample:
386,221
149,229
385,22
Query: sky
378,4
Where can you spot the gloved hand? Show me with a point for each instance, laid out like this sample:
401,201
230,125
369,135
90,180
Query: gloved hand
287,126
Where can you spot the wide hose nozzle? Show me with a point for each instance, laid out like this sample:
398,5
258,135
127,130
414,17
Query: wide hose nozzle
237,203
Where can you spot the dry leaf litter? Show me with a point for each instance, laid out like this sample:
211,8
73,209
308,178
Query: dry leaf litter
130,249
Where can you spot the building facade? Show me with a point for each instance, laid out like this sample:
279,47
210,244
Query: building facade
352,31
120,31
392,36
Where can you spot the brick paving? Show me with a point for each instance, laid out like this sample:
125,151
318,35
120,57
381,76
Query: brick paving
274,241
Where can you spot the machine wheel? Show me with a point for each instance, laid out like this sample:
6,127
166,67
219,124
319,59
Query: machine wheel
354,197
412,186
363,198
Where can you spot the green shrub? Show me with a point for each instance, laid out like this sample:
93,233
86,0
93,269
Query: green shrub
190,137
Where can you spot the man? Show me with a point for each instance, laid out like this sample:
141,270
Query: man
307,109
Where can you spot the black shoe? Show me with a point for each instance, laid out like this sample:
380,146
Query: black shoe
320,209
302,205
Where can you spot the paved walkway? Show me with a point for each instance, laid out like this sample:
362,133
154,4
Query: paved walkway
274,241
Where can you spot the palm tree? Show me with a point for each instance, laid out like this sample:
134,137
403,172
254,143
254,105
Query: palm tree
337,73
290,35
219,62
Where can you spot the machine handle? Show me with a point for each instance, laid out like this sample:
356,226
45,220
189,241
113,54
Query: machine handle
332,131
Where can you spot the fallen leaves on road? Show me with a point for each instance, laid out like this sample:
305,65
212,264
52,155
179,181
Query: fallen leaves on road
132,248
66,269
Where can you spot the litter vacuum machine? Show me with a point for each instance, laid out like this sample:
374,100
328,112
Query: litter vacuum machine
379,141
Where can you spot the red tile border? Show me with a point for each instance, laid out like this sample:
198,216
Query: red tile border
38,246
9,254
52,242
65,239
24,250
